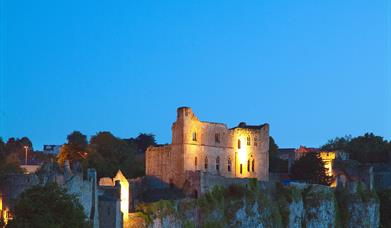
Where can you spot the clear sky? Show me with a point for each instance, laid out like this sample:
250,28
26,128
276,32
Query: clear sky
313,70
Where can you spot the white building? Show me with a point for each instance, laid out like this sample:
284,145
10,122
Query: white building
51,149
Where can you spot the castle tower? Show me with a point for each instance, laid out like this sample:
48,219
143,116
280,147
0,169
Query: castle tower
182,126
209,147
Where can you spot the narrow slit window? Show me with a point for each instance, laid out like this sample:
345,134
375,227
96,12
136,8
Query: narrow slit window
238,143
241,168
229,164
248,165
217,138
253,165
206,163
218,163
195,162
194,135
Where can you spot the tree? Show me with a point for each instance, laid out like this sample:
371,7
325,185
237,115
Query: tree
48,206
276,164
75,149
339,143
24,141
9,163
273,147
368,148
16,146
108,153
142,141
2,150
310,169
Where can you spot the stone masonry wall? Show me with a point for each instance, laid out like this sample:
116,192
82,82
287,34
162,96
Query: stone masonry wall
240,152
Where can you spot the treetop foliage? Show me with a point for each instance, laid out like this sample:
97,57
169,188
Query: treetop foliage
310,169
74,149
276,164
107,153
48,206
142,141
368,148
10,154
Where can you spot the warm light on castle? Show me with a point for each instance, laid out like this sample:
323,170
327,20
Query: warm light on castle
197,146
124,193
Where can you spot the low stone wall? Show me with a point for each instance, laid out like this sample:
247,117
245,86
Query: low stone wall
13,185
209,181
85,190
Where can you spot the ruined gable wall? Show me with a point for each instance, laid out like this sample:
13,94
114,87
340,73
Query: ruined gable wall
86,192
206,146
227,148
263,154
166,164
157,161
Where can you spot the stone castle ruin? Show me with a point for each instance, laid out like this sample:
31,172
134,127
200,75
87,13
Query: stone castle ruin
209,149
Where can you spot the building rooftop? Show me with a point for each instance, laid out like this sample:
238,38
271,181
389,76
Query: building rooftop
244,125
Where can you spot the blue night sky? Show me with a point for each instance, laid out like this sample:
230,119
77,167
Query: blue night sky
313,70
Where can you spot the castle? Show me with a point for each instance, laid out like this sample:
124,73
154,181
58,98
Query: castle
212,148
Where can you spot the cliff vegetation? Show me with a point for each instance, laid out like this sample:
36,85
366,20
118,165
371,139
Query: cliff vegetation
255,205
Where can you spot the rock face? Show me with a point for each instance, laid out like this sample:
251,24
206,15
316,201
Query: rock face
296,205
320,207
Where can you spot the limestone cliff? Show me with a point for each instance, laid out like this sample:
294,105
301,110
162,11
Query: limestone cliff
296,205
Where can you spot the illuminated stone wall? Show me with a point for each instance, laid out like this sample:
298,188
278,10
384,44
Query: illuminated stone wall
124,193
328,158
212,148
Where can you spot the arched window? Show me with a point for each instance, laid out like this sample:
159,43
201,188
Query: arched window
218,163
229,164
253,165
195,162
217,138
238,143
194,136
206,162
248,165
